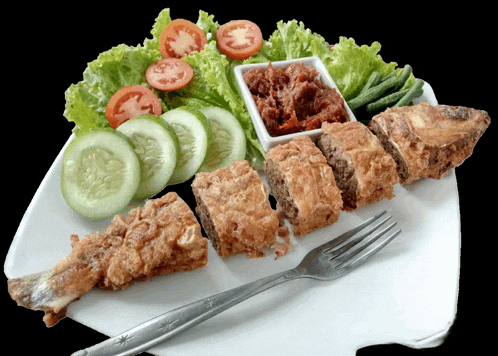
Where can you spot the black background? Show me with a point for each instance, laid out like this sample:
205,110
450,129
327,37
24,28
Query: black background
47,48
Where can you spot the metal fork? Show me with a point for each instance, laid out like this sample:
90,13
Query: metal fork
326,262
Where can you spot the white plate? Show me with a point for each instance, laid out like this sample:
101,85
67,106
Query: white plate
406,294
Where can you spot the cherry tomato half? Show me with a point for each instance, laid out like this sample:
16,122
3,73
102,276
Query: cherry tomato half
169,74
239,39
181,37
129,102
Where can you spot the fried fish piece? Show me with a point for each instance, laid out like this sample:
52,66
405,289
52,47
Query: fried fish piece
427,141
303,184
363,170
162,237
232,203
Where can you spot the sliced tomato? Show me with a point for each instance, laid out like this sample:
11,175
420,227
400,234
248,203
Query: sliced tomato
181,37
239,39
129,102
169,74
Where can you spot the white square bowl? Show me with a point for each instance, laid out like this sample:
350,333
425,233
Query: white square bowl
264,137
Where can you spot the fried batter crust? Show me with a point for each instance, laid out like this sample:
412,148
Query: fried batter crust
363,170
234,209
427,141
303,184
162,237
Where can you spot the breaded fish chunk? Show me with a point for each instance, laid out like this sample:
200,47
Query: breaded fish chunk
427,141
234,209
303,185
363,170
162,237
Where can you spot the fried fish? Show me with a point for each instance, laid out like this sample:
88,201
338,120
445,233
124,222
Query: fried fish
427,141
162,237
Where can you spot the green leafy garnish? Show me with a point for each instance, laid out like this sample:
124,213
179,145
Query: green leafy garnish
213,84
120,66
349,65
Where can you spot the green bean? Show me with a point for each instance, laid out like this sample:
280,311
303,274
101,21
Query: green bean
386,101
373,80
412,93
388,76
405,74
372,94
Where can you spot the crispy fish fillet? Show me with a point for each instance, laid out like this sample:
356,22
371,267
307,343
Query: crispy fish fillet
232,203
427,141
303,184
162,237
364,172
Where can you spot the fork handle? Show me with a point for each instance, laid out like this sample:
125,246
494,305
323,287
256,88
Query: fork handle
161,328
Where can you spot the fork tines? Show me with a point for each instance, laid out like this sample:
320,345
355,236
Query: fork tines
341,249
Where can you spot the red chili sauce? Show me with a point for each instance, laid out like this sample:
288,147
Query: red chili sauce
294,100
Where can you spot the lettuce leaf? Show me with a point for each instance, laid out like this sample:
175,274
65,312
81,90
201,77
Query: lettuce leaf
293,40
213,83
82,108
208,25
120,66
162,20
349,65
205,22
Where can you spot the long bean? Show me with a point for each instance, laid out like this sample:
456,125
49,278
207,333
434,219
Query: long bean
405,74
373,80
386,101
388,76
372,94
412,93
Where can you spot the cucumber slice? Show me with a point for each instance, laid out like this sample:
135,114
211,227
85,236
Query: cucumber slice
100,173
229,143
157,147
195,135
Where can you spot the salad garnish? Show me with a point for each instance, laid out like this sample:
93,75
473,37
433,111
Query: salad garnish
169,74
131,101
239,39
213,82
180,38
187,67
